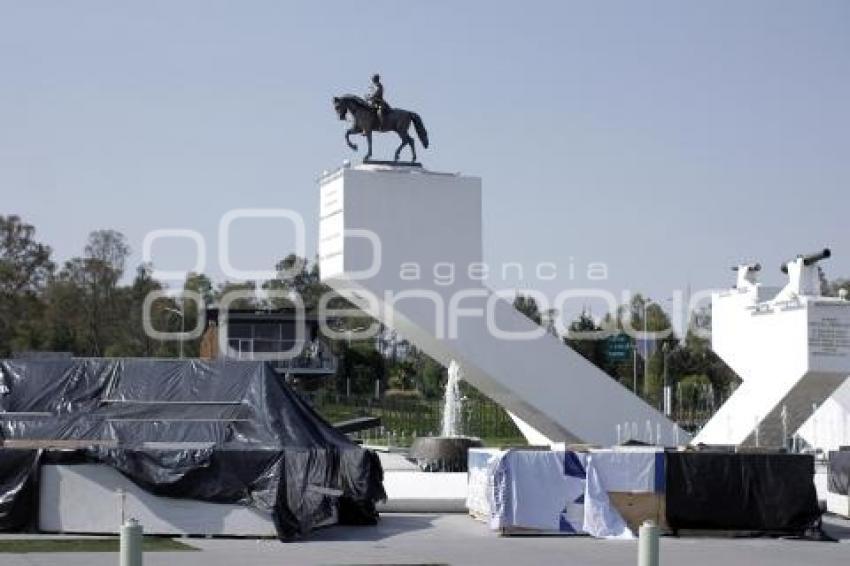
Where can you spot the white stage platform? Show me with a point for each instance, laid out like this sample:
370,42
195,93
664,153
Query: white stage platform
410,490
85,498
424,492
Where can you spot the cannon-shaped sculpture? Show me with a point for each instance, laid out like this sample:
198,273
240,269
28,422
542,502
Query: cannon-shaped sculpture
808,259
747,267
747,274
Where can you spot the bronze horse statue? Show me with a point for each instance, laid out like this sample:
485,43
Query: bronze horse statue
366,121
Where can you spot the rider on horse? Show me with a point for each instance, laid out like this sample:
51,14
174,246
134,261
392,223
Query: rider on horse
372,114
376,98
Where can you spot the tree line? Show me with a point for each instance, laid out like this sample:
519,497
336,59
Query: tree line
82,306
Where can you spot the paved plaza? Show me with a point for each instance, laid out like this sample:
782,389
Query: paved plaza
457,539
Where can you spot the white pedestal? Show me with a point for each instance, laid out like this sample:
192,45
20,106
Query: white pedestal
85,498
791,357
433,221
424,492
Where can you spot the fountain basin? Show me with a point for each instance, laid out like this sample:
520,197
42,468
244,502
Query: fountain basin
442,453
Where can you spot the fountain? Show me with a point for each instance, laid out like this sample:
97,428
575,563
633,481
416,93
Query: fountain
452,403
447,452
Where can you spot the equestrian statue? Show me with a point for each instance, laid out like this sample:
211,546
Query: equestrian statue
373,114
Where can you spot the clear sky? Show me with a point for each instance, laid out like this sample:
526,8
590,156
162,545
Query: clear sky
666,139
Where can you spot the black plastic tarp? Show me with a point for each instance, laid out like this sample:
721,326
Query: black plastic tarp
223,431
17,488
747,492
838,472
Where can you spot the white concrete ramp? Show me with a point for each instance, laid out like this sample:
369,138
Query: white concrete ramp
829,427
768,416
406,246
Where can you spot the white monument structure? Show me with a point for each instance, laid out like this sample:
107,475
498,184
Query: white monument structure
389,237
791,348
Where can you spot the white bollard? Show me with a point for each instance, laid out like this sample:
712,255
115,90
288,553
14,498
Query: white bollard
648,544
131,543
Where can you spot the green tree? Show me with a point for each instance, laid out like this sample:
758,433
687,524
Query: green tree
401,375
695,396
361,365
648,314
584,336
133,340
528,306
100,271
298,275
429,375
203,286
85,308
248,302
695,357
25,268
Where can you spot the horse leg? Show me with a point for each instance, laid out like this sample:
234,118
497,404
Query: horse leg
352,130
368,135
412,145
400,147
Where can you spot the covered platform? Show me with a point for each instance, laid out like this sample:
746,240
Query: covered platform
194,447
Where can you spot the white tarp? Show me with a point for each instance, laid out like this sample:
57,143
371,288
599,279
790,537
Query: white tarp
631,469
601,518
560,491
540,490
625,469
480,480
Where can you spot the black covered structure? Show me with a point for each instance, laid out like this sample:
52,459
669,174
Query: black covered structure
773,493
222,431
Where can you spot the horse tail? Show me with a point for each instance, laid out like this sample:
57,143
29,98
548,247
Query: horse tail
421,132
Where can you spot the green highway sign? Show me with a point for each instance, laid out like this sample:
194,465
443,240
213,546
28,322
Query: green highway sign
618,348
